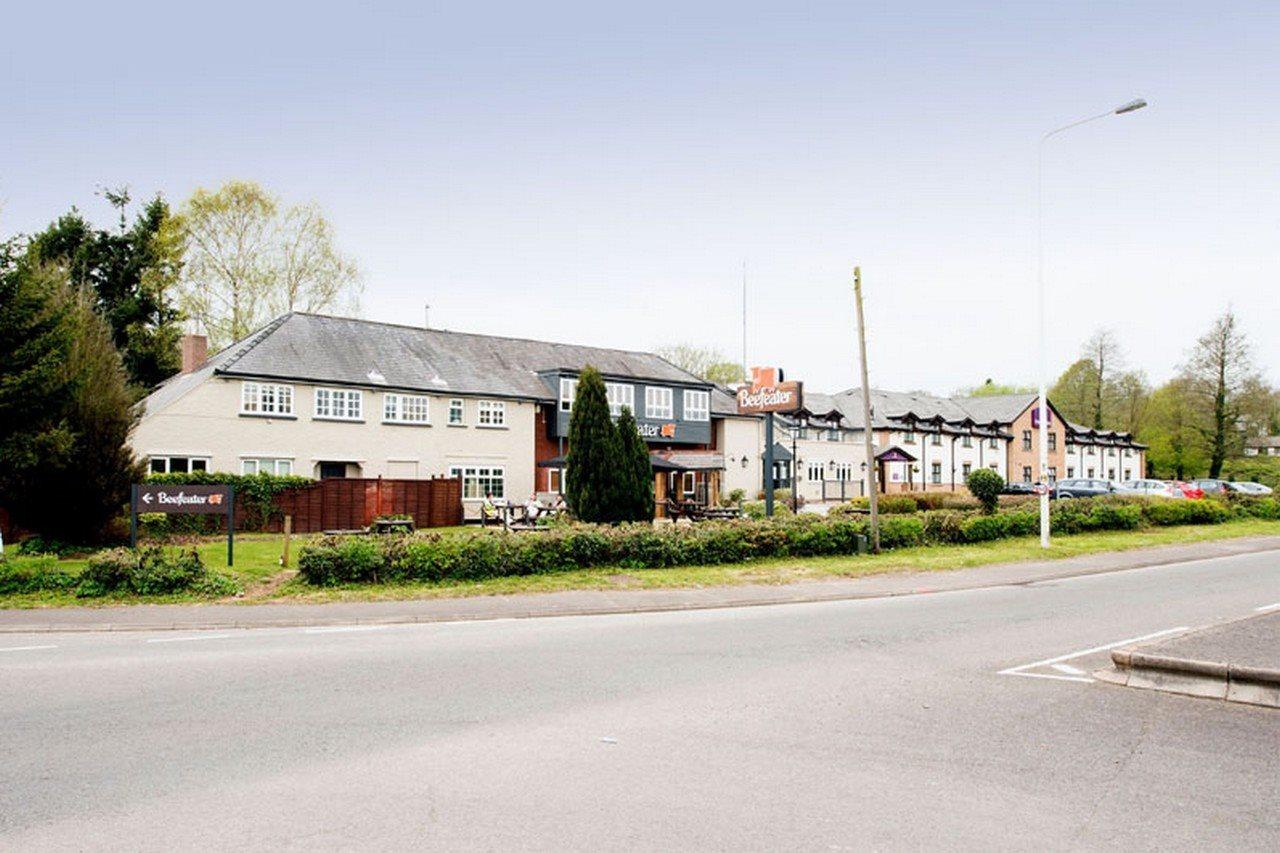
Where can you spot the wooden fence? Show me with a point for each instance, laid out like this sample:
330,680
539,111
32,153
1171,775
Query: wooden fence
349,504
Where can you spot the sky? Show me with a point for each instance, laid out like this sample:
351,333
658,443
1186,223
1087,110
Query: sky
601,173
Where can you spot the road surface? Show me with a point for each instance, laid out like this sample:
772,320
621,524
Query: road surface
956,720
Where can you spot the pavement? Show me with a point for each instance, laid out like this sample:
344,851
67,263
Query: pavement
598,602
1238,661
964,719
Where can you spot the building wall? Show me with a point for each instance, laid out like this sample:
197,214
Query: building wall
1018,457
739,439
1101,464
207,422
950,456
849,452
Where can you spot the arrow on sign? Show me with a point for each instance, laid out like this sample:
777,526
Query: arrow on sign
146,498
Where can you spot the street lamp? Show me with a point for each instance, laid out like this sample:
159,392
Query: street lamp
1042,408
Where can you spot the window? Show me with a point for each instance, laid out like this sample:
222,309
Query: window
657,403
1053,441
406,409
835,435
1026,473
909,437
264,398
816,471
689,483
965,470
553,479
1071,471
178,464
1127,473
935,472
491,413
935,438
1092,451
1026,439
844,471
993,442
279,467
479,482
1091,472
801,433
697,406
1111,473
967,441
620,395
1111,451
339,404
1127,453
455,413
1053,474
568,391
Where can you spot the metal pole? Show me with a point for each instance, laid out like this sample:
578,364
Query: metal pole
133,516
869,445
231,528
768,463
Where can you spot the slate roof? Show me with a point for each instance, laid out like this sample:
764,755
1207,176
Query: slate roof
1263,441
299,347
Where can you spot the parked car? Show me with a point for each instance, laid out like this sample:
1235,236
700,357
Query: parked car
1251,488
1017,487
1213,487
1082,488
1186,490
1146,488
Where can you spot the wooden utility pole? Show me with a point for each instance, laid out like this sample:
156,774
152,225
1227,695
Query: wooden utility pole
869,444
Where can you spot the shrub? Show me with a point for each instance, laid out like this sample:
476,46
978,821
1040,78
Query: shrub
1163,511
755,509
901,532
1253,507
37,545
986,485
33,574
897,504
944,525
734,498
150,571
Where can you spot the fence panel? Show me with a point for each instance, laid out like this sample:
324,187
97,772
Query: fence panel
350,504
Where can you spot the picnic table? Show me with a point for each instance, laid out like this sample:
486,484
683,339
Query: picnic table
515,516
393,525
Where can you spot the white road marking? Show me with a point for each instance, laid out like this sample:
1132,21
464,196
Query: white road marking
341,629
189,639
1069,669
1264,608
1021,670
25,648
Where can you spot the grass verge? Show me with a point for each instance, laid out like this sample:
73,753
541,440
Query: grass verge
258,571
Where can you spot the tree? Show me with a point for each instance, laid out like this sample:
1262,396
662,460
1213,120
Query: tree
1132,393
704,362
986,485
991,388
593,465
1220,374
249,258
132,274
636,493
1102,350
1073,393
65,407
1175,445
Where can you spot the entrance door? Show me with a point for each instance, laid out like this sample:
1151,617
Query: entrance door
329,470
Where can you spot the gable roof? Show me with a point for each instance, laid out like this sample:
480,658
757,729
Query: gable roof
315,348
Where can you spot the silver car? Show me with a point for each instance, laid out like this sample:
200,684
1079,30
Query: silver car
1148,488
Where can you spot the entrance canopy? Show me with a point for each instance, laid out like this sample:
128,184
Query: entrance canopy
686,460
894,454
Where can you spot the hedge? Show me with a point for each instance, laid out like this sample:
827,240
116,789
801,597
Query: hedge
145,571
428,556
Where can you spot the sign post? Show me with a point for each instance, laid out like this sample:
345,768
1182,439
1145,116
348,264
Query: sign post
769,394
184,500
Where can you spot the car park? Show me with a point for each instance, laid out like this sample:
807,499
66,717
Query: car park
1017,487
1252,488
1147,488
1186,490
1082,488
1213,487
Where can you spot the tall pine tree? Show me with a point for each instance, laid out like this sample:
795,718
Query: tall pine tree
636,492
593,472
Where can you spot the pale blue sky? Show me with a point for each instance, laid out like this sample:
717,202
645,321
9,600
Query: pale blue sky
594,174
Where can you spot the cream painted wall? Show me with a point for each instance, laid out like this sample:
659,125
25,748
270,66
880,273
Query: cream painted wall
207,422
739,438
851,451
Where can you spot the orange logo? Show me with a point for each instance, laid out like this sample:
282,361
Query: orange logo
215,499
668,431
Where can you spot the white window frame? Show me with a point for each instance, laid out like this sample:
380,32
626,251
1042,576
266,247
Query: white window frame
406,409
555,479
697,405
459,407
266,399
491,414
620,394
167,459
335,404
250,465
475,476
568,393
659,402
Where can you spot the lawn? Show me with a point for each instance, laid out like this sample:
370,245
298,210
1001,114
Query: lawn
257,568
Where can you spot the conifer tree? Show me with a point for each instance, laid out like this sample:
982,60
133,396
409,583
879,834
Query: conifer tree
593,472
637,471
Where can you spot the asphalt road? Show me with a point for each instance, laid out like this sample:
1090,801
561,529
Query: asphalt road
953,720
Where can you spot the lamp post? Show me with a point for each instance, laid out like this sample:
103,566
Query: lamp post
1042,407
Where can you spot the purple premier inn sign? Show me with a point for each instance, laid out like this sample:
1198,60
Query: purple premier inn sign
186,500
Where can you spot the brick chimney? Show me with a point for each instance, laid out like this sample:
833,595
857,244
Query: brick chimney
195,350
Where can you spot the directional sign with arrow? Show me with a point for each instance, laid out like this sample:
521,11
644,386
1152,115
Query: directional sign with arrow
185,500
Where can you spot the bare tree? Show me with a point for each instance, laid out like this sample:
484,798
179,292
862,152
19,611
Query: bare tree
249,259
1220,373
704,362
1103,351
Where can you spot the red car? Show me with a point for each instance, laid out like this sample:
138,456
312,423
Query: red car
1179,489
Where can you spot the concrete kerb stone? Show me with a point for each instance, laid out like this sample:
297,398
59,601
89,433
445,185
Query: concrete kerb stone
1207,679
